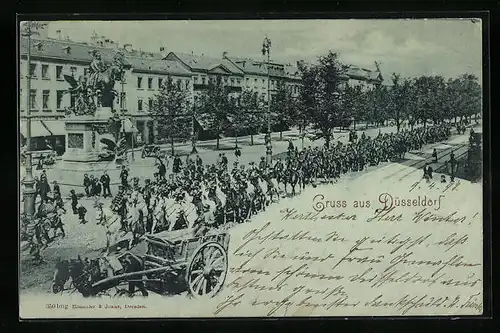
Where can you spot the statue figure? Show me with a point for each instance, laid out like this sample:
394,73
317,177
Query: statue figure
96,67
96,89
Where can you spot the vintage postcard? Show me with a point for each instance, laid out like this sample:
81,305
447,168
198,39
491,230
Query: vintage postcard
251,168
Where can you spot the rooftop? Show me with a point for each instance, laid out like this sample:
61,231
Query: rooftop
202,62
65,50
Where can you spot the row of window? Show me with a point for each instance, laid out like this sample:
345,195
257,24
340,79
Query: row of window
184,83
45,72
59,95
73,70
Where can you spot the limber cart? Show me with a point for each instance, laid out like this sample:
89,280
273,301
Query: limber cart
176,261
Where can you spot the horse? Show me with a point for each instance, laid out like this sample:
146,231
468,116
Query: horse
111,222
135,223
157,212
291,177
84,274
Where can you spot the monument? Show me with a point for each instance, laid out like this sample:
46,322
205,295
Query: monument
93,142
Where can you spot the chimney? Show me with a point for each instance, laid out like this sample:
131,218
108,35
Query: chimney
128,47
224,55
58,33
163,52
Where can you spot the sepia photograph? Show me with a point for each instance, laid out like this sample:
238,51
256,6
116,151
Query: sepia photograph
250,168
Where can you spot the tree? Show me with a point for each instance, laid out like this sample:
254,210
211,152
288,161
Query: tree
429,94
400,95
172,112
215,104
321,94
353,103
283,106
248,117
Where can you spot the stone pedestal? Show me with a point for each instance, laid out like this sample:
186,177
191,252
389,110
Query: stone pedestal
83,146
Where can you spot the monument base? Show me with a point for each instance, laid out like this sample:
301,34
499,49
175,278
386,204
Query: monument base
70,174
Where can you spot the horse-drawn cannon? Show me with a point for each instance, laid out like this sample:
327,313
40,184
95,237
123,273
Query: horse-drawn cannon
150,151
173,261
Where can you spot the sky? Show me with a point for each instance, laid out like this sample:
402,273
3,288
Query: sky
411,47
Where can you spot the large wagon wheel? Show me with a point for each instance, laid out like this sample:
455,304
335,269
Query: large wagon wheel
207,270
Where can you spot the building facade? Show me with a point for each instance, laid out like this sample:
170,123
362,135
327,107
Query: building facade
51,59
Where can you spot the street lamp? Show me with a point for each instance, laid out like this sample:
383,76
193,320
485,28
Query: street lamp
266,50
28,181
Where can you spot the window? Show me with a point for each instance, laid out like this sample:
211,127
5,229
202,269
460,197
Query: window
187,84
33,99
45,99
73,71
150,103
139,104
160,82
272,82
239,81
203,80
85,72
123,100
232,82
150,83
45,71
60,94
139,82
196,79
59,70
263,81
33,70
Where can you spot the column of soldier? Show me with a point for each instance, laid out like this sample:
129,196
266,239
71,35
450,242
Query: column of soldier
223,186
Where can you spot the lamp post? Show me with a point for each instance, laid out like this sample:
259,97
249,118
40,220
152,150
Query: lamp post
193,130
266,50
28,181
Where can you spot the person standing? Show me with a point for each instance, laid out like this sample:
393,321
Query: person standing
57,196
177,164
124,177
237,153
74,202
81,214
162,170
44,186
199,161
93,186
86,184
435,156
105,180
224,161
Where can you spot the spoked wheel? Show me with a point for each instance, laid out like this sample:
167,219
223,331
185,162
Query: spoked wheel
207,270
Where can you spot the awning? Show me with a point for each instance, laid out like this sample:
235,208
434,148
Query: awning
56,127
129,127
37,129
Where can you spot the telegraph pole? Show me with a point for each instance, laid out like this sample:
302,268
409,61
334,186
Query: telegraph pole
28,181
266,49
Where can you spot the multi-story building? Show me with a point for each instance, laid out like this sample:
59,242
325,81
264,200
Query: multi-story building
206,69
52,59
